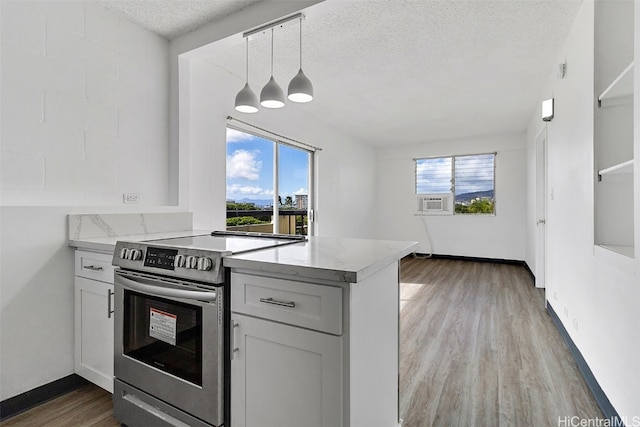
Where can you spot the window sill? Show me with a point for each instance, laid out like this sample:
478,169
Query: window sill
453,214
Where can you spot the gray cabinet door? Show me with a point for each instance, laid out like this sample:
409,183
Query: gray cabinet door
282,375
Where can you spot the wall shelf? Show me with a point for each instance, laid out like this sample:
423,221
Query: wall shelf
620,88
613,133
620,168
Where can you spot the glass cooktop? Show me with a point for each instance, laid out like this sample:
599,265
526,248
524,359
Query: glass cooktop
229,241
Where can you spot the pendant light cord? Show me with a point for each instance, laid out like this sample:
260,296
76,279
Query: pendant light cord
301,42
247,60
271,51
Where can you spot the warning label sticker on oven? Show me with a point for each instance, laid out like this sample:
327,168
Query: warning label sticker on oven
162,326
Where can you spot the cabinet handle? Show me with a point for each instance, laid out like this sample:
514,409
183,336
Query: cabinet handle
92,268
234,349
109,309
290,304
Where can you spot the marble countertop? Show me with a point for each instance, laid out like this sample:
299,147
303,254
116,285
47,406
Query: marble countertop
108,244
327,258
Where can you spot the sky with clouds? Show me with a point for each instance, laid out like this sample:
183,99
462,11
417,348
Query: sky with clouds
472,173
250,169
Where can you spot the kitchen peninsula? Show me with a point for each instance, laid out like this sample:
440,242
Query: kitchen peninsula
315,333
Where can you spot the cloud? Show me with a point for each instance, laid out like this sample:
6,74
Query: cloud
237,136
244,164
301,191
248,190
433,175
474,173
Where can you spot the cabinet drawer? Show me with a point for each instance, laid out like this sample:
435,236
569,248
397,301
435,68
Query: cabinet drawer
303,304
94,266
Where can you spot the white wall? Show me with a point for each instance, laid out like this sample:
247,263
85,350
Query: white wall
345,168
84,119
84,104
500,236
36,298
596,296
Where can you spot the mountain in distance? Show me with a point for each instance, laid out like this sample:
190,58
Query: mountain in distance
261,203
467,197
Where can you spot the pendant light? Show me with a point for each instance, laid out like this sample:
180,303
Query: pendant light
246,99
272,95
300,87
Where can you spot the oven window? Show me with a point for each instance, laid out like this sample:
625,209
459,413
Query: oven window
164,334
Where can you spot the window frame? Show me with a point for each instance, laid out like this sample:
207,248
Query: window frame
452,191
278,141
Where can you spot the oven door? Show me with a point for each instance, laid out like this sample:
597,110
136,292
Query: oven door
169,342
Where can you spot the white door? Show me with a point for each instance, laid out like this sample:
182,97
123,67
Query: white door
541,209
284,376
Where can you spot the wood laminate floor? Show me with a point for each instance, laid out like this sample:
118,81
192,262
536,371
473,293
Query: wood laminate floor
477,349
87,406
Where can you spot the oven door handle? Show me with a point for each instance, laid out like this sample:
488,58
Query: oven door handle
162,291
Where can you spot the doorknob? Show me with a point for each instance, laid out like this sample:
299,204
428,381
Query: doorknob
541,221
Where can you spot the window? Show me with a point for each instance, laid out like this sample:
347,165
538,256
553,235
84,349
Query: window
268,184
467,182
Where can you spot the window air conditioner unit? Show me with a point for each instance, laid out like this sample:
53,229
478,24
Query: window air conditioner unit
432,203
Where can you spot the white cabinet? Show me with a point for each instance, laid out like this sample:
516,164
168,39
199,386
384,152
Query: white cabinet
284,375
314,353
286,368
94,318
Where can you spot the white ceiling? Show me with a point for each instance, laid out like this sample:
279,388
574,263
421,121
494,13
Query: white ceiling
395,72
173,18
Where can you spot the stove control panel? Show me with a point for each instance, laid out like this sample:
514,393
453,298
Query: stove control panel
174,261
160,258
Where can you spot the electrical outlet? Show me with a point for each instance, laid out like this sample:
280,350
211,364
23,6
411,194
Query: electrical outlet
131,197
575,323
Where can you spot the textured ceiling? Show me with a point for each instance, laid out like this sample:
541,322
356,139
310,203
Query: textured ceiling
173,18
393,72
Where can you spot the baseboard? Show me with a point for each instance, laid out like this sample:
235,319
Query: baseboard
533,276
29,399
601,398
470,258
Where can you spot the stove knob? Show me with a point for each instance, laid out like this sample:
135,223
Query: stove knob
204,264
179,261
135,254
124,253
192,262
